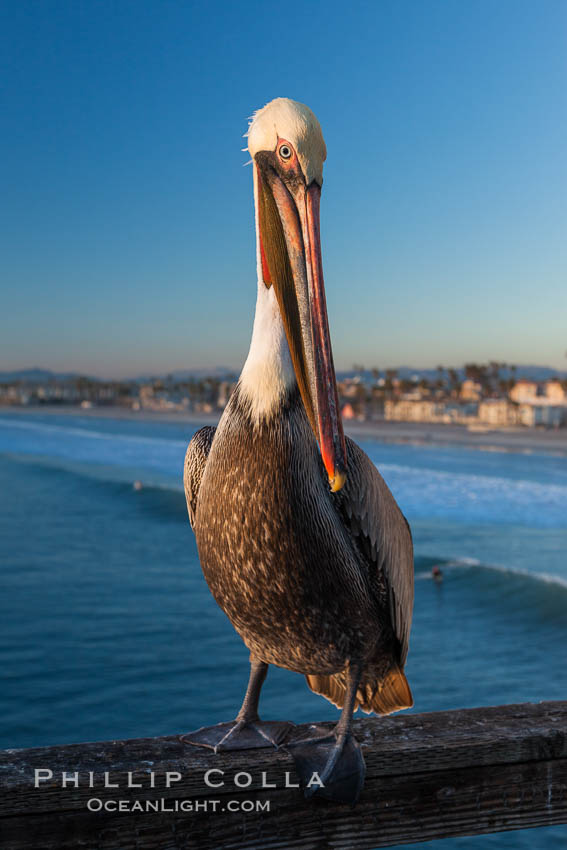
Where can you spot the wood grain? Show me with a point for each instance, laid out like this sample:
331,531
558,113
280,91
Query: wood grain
428,776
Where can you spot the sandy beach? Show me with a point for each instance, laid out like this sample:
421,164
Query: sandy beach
419,433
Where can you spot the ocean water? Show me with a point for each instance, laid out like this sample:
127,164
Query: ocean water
108,630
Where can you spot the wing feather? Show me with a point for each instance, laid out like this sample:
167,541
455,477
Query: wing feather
195,461
383,534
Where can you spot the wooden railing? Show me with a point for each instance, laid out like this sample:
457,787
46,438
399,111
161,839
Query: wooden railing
428,776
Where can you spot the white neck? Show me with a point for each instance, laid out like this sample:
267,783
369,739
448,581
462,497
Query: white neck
268,372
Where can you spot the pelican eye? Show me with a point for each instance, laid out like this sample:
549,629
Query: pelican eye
285,151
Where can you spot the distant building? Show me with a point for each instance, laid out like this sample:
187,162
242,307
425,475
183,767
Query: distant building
498,412
470,390
545,415
407,410
555,392
203,407
146,396
523,391
425,410
348,412
158,399
225,391
351,387
459,413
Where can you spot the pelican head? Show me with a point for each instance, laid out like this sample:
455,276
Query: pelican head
288,150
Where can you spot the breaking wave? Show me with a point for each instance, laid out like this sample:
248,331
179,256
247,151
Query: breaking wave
447,566
122,450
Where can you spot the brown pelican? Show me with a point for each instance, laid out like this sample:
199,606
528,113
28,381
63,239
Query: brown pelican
301,542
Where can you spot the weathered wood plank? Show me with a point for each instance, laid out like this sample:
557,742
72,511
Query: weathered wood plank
428,776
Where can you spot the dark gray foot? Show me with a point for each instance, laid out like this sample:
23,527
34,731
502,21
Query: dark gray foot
335,759
240,735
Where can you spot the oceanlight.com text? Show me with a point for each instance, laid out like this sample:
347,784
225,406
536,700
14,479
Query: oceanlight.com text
162,805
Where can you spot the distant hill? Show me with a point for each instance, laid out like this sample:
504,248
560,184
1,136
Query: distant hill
406,373
220,372
36,375
539,373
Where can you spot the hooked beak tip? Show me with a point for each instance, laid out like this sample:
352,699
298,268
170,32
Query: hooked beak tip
338,481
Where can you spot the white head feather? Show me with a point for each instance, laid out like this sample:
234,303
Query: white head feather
268,371
283,118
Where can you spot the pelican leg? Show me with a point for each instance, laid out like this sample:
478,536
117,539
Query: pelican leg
247,731
331,765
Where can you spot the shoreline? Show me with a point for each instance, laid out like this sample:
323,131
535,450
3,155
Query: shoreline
417,433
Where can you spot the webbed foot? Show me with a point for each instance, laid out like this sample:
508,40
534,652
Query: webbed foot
240,735
333,758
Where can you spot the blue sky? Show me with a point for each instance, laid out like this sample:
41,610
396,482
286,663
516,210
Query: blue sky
127,219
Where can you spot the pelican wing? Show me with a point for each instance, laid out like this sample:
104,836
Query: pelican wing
383,535
195,461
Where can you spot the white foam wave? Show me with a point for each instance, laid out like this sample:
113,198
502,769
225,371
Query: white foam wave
473,564
429,493
88,433
461,496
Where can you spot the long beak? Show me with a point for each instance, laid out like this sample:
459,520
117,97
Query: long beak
291,254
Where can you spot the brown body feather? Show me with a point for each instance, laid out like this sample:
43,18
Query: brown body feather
312,581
